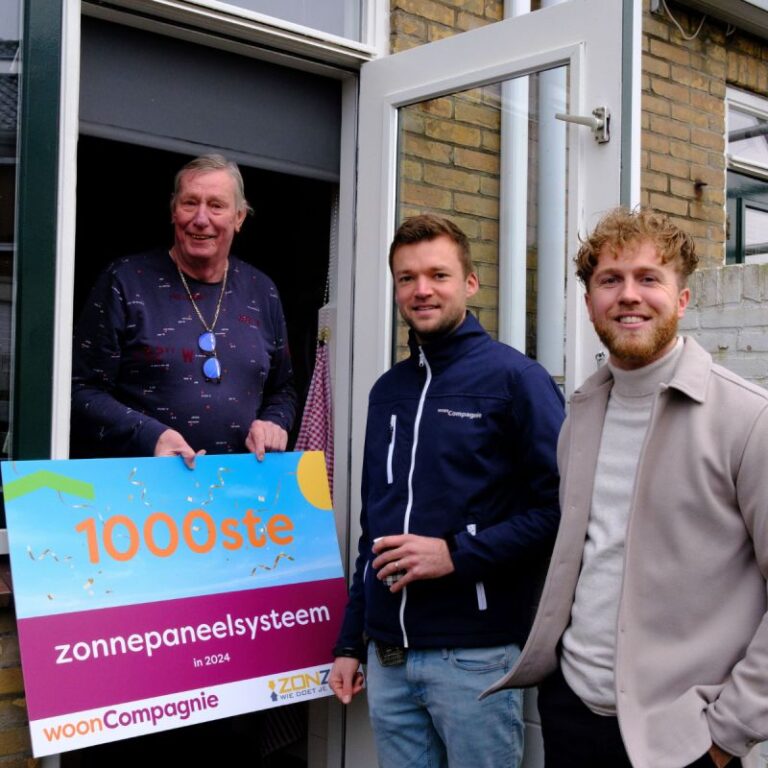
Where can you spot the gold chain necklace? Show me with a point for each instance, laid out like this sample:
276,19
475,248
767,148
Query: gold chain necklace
194,303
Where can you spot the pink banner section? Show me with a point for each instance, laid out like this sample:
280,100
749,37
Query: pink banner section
79,661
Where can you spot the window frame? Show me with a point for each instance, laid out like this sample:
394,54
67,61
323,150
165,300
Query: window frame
737,205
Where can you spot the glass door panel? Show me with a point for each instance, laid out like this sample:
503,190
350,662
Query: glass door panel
487,158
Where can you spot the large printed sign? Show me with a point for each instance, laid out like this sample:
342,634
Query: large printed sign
150,597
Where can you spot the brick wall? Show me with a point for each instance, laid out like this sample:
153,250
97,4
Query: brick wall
15,750
728,316
683,118
683,142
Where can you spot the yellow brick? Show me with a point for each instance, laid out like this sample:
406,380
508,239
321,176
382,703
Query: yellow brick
669,90
439,32
685,151
411,170
14,740
707,103
489,230
668,204
494,10
451,132
427,9
489,185
707,212
655,104
475,204
489,319
486,253
682,188
469,225
671,128
652,26
689,116
668,165
466,21
477,161
690,77
669,52
9,651
412,120
422,195
11,681
442,107
484,116
451,178
488,274
654,181
714,177
426,149
654,66
409,25
654,142
491,141
708,139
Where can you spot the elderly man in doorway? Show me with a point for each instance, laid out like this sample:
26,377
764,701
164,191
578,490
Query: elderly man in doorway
183,351
650,646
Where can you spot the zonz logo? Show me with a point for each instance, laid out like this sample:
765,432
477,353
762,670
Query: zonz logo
303,684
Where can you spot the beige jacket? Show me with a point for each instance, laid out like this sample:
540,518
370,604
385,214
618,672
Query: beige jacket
692,640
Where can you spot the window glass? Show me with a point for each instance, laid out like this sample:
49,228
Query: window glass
10,33
756,235
747,180
336,17
494,160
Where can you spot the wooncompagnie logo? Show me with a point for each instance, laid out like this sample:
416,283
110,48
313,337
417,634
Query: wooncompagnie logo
300,685
114,718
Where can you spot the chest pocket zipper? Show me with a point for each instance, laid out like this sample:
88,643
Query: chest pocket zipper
391,450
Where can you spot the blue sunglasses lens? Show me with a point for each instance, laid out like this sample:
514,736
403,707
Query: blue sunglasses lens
212,369
207,342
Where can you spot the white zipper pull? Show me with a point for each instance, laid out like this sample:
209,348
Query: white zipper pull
422,358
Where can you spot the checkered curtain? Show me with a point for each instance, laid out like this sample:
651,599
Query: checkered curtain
316,431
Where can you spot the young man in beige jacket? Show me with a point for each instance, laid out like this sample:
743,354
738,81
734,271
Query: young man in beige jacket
650,645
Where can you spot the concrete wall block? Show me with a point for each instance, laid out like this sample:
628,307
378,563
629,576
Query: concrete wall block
734,316
754,369
705,287
754,340
731,284
690,321
717,342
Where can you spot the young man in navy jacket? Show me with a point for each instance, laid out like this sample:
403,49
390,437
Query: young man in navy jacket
459,514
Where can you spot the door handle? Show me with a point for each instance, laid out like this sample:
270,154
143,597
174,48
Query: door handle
599,122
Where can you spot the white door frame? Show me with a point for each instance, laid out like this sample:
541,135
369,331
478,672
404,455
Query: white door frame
590,36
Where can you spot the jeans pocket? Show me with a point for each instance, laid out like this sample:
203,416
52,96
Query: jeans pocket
492,659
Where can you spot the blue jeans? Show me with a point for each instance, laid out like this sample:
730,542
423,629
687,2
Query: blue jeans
426,714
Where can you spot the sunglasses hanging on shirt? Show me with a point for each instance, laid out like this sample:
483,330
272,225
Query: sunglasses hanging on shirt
206,341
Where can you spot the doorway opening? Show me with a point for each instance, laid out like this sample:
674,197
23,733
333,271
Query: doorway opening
123,207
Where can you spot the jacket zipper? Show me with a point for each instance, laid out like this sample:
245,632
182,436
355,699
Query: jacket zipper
482,600
406,525
391,450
